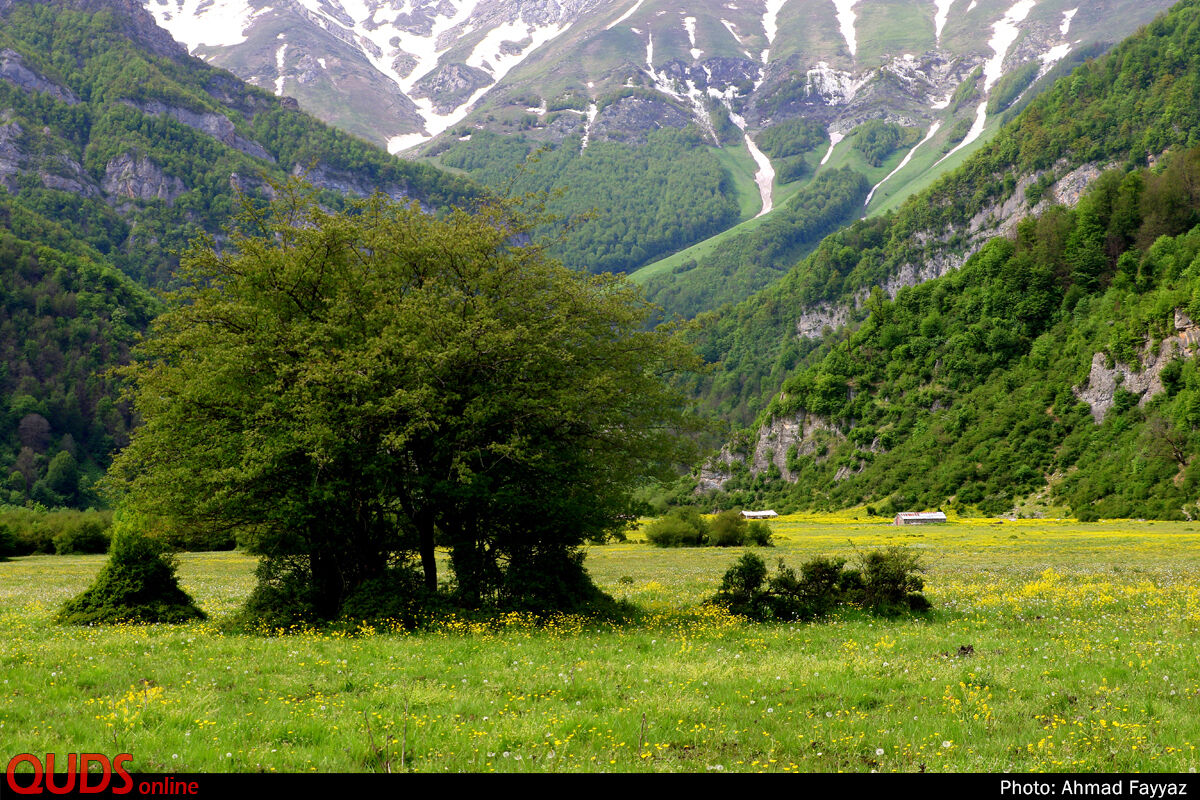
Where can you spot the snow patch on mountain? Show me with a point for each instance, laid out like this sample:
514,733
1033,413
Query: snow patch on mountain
1054,54
279,65
217,23
689,25
770,23
1004,33
940,16
490,55
845,18
624,16
1066,23
834,138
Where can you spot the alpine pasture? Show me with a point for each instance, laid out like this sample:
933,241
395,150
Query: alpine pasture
1053,646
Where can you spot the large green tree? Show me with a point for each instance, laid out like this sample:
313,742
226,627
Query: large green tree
347,390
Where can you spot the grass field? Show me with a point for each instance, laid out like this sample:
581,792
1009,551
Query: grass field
1054,646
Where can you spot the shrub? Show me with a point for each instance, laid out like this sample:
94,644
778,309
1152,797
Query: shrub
681,527
885,583
398,596
8,543
86,536
727,529
138,584
742,589
759,533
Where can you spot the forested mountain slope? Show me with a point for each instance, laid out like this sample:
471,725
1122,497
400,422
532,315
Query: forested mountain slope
116,150
1057,362
675,120
1124,109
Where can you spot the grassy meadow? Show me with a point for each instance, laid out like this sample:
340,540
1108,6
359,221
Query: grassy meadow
1054,646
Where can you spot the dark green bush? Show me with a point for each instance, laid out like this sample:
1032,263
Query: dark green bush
398,596
681,527
88,536
138,585
727,529
759,533
885,583
8,543
742,589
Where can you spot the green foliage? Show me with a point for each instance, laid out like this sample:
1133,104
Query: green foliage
748,262
963,390
957,133
397,596
877,140
8,543
1009,88
727,529
792,137
59,531
884,582
759,532
90,536
343,389
650,199
136,585
967,91
681,527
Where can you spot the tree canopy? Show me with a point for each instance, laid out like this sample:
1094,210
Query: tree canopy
348,390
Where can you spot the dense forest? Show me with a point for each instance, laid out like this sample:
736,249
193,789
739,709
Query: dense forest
745,263
116,153
1135,102
968,390
624,205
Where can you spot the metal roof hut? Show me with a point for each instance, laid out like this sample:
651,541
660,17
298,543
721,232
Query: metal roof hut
759,514
919,517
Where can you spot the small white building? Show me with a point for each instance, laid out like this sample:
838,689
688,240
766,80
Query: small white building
918,517
759,514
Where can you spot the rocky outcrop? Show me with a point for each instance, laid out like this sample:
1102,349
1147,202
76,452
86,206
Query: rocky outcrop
218,126
1144,379
629,119
802,434
14,70
451,85
998,219
65,174
346,183
138,178
11,156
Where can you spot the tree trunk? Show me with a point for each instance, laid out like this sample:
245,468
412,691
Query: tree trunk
424,523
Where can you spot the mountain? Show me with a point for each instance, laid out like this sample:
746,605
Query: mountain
1020,336
117,149
766,96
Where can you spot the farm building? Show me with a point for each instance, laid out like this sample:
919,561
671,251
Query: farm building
919,517
759,514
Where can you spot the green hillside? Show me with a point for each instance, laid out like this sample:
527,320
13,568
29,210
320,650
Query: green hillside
1135,102
117,150
967,389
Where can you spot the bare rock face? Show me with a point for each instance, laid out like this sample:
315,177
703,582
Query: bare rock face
11,157
1144,379
631,118
808,433
451,85
338,181
138,178
14,70
67,175
217,126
